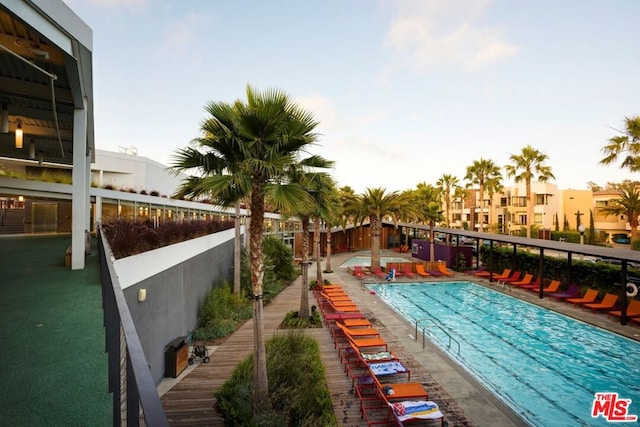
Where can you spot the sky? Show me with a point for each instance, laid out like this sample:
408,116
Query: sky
404,90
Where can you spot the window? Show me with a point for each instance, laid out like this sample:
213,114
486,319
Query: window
522,219
537,218
503,201
541,199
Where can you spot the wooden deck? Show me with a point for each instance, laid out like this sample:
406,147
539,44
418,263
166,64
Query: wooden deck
190,402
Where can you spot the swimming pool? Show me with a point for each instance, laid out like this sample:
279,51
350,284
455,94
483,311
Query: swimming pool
365,261
546,366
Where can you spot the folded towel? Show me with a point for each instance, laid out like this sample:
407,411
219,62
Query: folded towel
381,355
416,409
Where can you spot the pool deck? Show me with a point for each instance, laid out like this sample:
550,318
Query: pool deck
463,400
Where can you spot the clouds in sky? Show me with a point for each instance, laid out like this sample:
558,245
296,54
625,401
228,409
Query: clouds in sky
432,34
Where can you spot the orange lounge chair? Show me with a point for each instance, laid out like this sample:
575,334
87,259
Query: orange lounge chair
506,273
608,302
554,286
533,287
421,271
444,270
633,310
350,323
406,269
526,280
588,298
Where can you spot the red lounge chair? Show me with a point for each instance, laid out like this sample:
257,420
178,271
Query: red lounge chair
378,272
533,287
571,292
608,302
506,273
394,266
588,298
515,277
406,269
633,310
359,271
478,270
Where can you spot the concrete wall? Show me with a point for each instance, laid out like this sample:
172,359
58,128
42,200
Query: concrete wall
174,294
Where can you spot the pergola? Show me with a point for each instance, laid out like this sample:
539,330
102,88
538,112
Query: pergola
624,256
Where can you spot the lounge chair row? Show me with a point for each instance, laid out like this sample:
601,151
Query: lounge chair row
571,295
380,380
411,270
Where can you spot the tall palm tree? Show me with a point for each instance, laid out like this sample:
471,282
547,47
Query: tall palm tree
375,204
349,209
244,152
460,193
628,204
493,186
527,165
626,145
432,214
480,173
446,183
332,216
316,184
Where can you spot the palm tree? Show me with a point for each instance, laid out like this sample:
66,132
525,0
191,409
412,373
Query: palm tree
481,173
245,151
431,214
524,167
316,184
375,205
332,216
493,186
460,193
628,204
446,183
349,209
627,145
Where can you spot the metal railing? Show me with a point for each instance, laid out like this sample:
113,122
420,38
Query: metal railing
437,325
135,397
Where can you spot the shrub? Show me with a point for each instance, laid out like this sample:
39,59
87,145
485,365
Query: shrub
298,393
221,312
127,237
293,321
635,245
281,258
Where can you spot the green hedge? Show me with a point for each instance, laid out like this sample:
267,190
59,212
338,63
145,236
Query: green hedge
298,393
586,274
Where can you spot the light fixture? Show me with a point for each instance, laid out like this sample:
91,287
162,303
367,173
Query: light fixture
4,119
19,134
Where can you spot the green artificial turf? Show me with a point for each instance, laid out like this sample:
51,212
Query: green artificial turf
53,365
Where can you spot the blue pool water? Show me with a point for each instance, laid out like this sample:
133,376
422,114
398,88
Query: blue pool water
365,261
546,366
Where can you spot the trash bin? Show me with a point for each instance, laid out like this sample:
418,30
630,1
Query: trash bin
176,357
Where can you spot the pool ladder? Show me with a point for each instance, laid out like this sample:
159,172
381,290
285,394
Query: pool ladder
437,325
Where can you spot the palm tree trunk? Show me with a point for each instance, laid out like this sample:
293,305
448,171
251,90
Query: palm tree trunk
327,266
481,214
256,230
316,245
432,243
375,225
303,313
529,207
236,252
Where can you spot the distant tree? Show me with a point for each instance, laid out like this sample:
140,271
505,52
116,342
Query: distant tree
625,147
447,183
524,168
375,204
593,186
432,214
557,223
565,225
592,229
629,205
482,172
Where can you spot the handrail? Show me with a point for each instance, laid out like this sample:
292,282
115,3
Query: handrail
437,325
135,397
373,281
